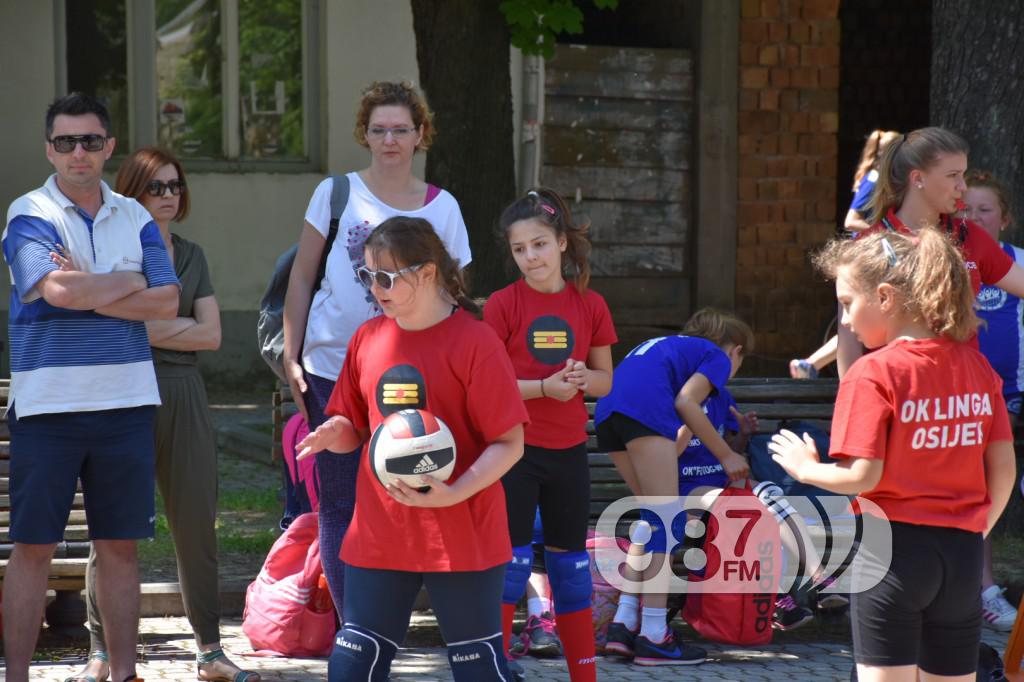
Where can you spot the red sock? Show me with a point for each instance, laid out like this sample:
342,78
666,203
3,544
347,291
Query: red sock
508,612
576,630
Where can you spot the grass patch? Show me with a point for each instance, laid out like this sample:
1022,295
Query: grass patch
257,542
246,499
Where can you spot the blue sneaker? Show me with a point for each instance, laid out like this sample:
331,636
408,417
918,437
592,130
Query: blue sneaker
666,652
619,640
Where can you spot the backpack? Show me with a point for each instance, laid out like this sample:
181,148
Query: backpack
743,618
303,476
270,324
605,598
288,609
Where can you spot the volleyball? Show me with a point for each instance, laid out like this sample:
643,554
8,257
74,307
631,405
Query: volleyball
409,444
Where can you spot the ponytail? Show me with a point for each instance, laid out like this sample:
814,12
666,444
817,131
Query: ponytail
927,270
875,145
918,150
412,241
550,209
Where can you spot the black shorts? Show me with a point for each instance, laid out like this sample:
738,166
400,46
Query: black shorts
618,429
559,482
926,611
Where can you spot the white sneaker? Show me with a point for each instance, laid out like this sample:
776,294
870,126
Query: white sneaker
998,614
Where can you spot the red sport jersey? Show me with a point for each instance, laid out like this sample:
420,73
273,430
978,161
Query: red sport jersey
541,331
929,408
458,371
986,262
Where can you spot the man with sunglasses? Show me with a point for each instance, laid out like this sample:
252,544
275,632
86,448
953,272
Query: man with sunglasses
88,267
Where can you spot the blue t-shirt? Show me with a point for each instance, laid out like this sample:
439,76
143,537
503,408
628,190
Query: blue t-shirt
646,382
697,461
863,193
1002,340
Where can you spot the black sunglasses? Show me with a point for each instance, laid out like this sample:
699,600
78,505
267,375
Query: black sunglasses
65,144
156,188
384,279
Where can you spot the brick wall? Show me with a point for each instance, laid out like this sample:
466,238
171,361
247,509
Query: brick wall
788,123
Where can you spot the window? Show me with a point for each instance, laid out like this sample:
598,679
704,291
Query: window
226,83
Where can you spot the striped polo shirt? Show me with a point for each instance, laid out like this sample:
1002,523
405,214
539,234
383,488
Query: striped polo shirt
65,360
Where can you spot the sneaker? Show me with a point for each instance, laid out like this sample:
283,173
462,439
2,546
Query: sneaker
789,615
801,369
514,667
666,652
543,641
620,640
826,601
998,613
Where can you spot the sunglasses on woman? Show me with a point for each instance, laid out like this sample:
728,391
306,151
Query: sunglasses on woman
384,279
65,144
156,188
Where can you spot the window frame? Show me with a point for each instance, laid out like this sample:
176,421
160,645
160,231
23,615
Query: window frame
140,27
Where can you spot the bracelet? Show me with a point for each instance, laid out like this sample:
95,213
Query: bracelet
542,393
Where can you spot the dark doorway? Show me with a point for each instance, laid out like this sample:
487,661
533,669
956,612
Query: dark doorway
884,74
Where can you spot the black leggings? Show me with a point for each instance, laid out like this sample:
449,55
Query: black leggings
467,603
558,480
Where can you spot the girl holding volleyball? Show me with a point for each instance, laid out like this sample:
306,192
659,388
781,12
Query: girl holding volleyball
559,335
921,430
429,352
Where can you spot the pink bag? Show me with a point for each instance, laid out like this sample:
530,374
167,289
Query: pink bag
302,473
288,609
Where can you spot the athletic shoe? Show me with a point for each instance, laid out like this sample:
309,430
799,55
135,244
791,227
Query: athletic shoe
666,652
543,641
514,667
620,640
829,600
789,615
801,369
998,613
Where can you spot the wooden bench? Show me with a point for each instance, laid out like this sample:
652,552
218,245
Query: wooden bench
774,400
67,570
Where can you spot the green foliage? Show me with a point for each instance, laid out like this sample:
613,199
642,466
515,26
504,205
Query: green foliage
249,500
535,23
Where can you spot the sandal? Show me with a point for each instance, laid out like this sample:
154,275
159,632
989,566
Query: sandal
207,657
93,656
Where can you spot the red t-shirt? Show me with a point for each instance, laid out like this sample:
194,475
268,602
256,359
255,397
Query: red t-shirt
929,408
541,331
986,262
460,373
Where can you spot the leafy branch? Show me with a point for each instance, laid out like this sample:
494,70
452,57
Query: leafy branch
534,24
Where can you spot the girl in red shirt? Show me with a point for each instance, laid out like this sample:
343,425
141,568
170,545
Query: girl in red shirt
921,184
922,432
452,537
559,335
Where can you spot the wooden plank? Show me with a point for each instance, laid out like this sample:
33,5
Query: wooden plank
638,222
789,410
616,114
636,184
61,568
783,389
645,60
564,146
661,87
627,260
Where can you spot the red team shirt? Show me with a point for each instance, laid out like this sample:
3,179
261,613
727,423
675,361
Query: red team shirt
986,262
929,408
458,371
540,332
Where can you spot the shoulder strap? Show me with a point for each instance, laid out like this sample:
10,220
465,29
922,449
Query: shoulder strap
339,199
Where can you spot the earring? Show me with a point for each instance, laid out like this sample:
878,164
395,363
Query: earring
920,186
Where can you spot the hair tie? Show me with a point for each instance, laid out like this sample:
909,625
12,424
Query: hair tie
890,253
533,193
549,209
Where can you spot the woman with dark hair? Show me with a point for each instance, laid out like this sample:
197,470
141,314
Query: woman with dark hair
186,453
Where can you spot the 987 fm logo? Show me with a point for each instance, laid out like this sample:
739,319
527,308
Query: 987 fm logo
744,544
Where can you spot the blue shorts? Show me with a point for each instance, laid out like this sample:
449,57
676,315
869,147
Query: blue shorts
111,451
687,485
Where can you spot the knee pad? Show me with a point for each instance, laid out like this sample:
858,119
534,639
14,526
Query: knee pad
569,575
360,654
517,574
771,496
479,660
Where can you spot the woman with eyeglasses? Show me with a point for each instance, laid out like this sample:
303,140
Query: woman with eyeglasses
186,453
393,122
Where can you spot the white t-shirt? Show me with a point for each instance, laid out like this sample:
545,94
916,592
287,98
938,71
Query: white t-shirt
342,302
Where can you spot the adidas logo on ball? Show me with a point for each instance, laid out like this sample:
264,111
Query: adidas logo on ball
409,444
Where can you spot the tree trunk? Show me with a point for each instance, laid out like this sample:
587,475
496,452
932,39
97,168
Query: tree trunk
462,48
976,88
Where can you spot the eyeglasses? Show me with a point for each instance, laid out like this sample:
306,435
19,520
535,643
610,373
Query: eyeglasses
156,188
384,279
65,144
400,133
